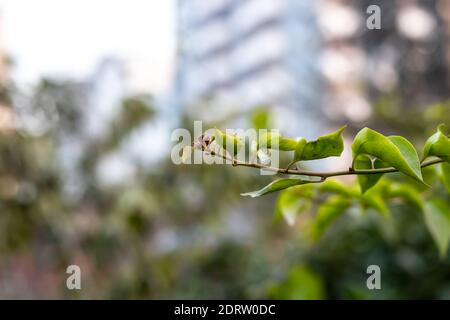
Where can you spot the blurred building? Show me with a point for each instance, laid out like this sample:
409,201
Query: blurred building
237,54
313,62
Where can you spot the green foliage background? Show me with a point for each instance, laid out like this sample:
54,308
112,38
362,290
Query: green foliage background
185,232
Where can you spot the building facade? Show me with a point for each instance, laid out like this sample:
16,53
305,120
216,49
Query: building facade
238,54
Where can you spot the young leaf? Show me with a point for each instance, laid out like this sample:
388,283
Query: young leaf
330,145
437,145
231,143
287,144
271,139
299,149
396,151
437,217
367,181
328,212
277,185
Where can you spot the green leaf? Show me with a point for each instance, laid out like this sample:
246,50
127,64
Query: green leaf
328,212
274,140
437,145
287,144
231,143
437,217
299,149
277,185
330,145
395,151
292,202
337,187
409,153
375,201
445,177
367,181
407,193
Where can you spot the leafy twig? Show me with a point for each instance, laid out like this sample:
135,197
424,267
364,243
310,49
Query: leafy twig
322,175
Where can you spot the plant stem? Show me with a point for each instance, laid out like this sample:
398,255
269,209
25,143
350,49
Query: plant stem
323,175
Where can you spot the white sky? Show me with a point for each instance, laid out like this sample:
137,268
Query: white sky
68,37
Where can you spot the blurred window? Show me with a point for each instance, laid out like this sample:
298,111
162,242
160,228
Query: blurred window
265,46
265,87
203,8
208,38
252,12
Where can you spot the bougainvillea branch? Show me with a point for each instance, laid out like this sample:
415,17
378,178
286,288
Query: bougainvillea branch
322,175
373,155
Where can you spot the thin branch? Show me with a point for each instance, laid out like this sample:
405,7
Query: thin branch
323,175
